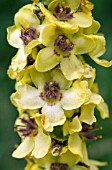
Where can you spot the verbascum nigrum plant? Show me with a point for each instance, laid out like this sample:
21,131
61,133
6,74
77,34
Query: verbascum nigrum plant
56,93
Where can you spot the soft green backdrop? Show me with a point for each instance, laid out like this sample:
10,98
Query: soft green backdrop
101,149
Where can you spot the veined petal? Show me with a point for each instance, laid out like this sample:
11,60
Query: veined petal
13,36
82,20
103,109
54,115
25,18
83,44
73,98
75,145
27,97
99,47
24,148
71,67
58,77
39,78
42,144
46,59
87,114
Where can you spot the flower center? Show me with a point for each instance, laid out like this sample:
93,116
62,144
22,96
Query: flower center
63,43
59,166
51,92
28,35
63,13
29,127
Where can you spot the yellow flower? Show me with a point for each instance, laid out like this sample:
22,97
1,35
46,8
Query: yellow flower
34,140
66,11
52,93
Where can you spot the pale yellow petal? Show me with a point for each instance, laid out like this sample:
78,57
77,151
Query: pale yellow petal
42,144
75,125
82,20
75,145
99,48
13,36
54,116
103,109
27,97
95,99
24,148
73,98
87,114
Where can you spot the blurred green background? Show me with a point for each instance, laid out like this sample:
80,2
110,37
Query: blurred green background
101,149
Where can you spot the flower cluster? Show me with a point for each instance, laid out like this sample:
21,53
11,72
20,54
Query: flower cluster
55,90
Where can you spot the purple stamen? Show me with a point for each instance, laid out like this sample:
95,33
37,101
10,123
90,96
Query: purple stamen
58,166
51,92
29,127
63,13
28,35
63,43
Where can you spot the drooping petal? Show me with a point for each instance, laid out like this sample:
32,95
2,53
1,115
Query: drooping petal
54,116
27,97
97,163
13,36
75,145
83,44
46,59
103,109
39,78
95,99
82,20
75,125
93,29
102,62
87,114
18,62
24,148
42,144
99,47
73,98
58,77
